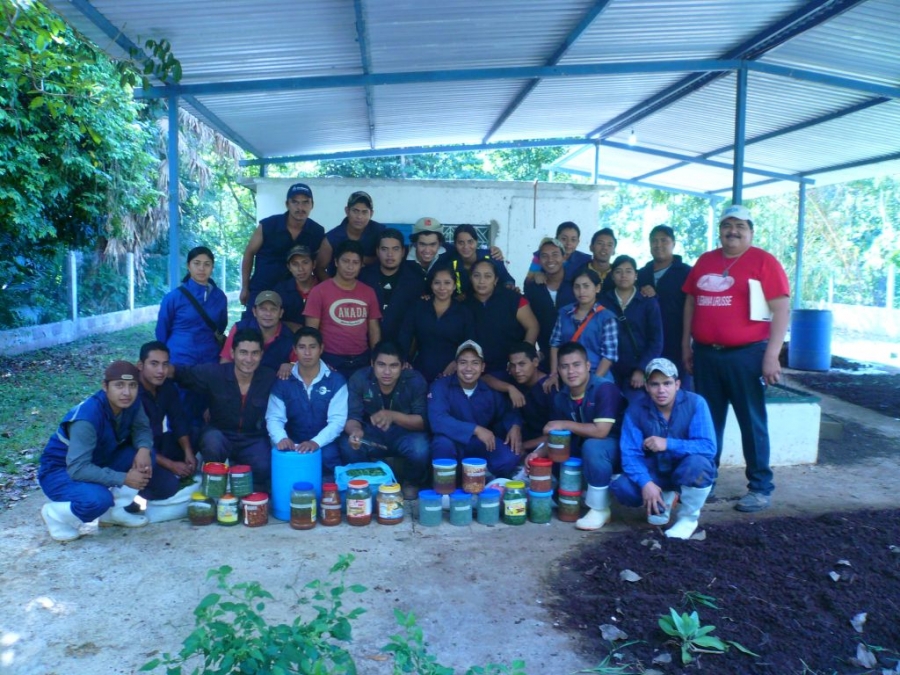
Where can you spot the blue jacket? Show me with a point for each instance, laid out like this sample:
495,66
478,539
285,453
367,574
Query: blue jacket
111,439
671,303
455,415
602,400
368,241
277,352
183,330
645,323
407,288
306,414
546,309
451,259
165,412
270,264
688,431
409,396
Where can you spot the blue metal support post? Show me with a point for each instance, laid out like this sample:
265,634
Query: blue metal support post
174,211
801,226
740,127
596,162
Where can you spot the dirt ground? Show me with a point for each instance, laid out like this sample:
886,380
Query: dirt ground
110,602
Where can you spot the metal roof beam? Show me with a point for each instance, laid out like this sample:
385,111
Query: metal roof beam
126,44
640,184
837,114
415,77
810,15
747,186
855,164
560,51
822,78
418,150
796,178
362,37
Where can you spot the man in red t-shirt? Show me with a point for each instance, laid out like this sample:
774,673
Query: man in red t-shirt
734,354
347,313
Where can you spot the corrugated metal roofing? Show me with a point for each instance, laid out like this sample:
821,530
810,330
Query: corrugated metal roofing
811,119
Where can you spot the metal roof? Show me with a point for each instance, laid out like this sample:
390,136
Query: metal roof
292,81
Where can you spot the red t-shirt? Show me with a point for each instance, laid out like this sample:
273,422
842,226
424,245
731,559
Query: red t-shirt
722,301
229,343
343,316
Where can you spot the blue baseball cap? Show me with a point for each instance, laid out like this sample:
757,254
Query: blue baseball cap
299,189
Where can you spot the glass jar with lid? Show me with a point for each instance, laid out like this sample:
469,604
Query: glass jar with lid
303,506
514,503
359,502
390,504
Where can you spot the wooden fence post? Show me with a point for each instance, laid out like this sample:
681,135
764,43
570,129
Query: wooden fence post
73,285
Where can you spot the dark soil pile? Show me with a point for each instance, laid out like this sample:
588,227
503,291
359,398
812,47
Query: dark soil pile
855,383
773,589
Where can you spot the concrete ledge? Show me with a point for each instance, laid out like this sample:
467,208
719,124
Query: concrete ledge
794,422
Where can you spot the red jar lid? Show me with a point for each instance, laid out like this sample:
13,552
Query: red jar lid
541,461
256,498
358,484
240,468
329,486
215,468
569,493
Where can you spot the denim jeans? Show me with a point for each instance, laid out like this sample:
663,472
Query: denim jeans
691,471
734,376
600,460
412,446
255,451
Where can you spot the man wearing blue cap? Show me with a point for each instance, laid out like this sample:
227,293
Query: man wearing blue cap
273,238
735,317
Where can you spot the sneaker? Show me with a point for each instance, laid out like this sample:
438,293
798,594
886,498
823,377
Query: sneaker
753,502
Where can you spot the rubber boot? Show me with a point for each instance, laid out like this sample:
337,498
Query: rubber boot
61,523
117,515
597,499
688,512
662,519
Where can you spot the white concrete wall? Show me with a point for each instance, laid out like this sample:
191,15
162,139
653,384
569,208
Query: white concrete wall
793,435
512,204
875,322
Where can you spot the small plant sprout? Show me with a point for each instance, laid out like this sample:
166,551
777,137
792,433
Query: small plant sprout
694,638
694,599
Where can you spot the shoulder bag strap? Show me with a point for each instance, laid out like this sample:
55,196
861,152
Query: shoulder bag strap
202,312
594,312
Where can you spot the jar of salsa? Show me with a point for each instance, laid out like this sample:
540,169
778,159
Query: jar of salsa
359,502
331,505
390,504
559,442
569,505
255,509
303,506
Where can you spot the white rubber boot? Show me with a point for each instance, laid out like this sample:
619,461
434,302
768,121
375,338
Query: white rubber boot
597,499
61,523
117,515
663,518
688,512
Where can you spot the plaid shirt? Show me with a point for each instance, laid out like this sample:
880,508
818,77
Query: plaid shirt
600,338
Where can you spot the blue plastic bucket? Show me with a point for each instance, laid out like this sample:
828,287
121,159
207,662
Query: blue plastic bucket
810,344
289,467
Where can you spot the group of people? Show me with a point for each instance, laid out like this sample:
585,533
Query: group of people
361,347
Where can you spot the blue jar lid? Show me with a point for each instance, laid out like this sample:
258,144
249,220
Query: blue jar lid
561,432
457,495
303,486
428,495
475,461
444,462
540,495
490,493
573,462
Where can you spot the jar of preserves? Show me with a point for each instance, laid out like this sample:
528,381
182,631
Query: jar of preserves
444,476
359,502
514,503
540,505
489,507
390,504
303,506
568,505
227,510
241,480
540,474
570,475
215,479
255,509
331,505
431,512
201,509
460,508
559,442
474,470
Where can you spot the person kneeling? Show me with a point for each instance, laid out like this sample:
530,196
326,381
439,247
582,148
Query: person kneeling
99,458
668,444
386,418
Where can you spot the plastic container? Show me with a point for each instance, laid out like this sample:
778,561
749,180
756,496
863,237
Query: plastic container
489,507
540,507
359,503
303,506
444,475
431,512
514,503
390,504
541,484
810,345
460,508
227,510
559,442
331,505
215,480
540,474
570,475
474,471
241,480
255,509
289,467
568,505
201,510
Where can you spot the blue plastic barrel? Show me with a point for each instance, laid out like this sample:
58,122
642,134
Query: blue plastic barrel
810,344
289,467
